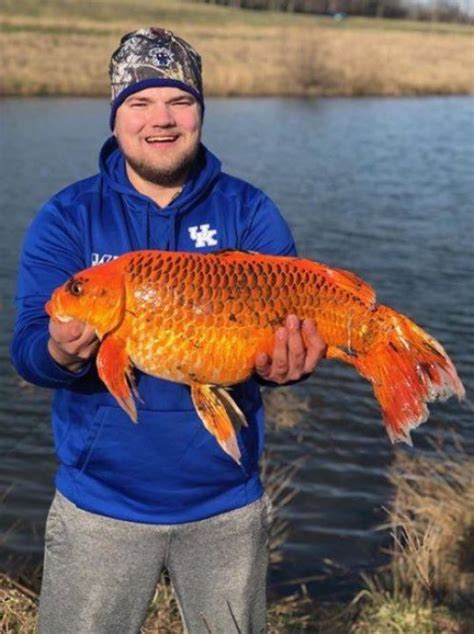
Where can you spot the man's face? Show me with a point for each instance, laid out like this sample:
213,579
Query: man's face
159,131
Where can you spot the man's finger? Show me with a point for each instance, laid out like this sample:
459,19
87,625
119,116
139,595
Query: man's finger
263,364
296,349
87,340
88,336
89,351
80,350
279,368
316,347
65,332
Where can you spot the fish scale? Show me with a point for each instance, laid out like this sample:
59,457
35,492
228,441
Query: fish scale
202,319
242,304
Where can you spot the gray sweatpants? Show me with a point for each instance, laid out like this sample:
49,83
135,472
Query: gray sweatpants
100,573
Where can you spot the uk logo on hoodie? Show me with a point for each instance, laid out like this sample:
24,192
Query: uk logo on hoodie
203,236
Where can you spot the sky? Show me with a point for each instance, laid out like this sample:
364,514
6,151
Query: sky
465,5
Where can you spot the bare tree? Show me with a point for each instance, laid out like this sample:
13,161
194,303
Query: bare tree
446,10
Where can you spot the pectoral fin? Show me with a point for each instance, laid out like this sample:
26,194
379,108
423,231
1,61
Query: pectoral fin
115,370
220,415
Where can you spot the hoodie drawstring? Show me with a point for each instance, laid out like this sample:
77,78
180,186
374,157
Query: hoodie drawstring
147,226
173,229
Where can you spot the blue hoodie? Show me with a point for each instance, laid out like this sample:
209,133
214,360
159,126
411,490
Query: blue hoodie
167,469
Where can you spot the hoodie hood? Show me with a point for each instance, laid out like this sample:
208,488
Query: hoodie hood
203,174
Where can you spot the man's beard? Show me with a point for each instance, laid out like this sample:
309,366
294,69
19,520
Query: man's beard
163,176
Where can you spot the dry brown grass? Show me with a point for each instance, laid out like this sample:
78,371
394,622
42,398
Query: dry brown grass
163,613
18,606
432,520
429,585
68,55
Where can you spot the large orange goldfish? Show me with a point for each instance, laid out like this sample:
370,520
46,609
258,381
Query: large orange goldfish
201,320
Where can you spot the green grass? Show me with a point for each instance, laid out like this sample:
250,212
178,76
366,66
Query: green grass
384,613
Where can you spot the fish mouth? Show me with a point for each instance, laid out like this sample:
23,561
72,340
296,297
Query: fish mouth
50,310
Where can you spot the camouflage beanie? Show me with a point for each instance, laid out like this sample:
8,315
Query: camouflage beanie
153,57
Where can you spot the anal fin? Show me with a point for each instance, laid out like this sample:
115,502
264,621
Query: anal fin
115,370
220,415
334,352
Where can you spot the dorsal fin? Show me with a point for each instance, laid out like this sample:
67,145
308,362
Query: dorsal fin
352,284
233,252
346,280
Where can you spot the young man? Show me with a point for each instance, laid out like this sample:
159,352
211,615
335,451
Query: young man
133,499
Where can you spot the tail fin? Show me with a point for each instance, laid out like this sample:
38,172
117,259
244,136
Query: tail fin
407,369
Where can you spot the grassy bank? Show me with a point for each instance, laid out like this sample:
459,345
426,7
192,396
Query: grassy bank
427,588
58,47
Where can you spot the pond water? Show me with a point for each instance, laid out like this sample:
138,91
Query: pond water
383,187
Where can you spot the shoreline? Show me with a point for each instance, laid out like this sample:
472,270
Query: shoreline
4,96
427,95
63,52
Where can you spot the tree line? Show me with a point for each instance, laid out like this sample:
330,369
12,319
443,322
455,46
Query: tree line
438,10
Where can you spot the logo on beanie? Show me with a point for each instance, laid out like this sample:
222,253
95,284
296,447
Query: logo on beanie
163,56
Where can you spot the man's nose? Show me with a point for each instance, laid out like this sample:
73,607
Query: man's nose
162,116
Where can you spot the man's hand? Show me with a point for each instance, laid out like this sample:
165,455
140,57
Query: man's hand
298,350
72,344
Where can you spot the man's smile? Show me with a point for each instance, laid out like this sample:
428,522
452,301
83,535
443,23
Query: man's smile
162,139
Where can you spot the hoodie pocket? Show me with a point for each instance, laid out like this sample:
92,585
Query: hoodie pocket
92,436
166,451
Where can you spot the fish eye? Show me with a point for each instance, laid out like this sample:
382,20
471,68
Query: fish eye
75,288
